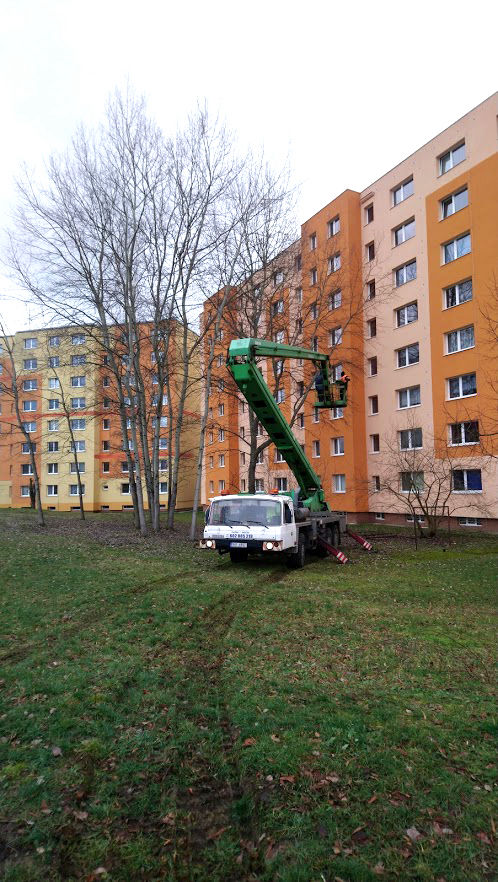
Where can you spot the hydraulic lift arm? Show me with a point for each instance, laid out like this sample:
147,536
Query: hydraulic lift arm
242,364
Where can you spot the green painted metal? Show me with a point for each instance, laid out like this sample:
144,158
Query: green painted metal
241,362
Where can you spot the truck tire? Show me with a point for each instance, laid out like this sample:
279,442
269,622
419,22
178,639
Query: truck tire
336,536
238,555
297,560
328,535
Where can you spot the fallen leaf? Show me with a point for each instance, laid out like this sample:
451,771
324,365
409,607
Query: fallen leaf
287,779
249,742
168,819
378,869
372,799
218,833
80,816
413,834
275,738
483,837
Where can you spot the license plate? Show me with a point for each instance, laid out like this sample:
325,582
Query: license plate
238,544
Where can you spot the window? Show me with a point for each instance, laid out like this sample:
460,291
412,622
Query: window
30,385
409,397
31,342
52,489
374,443
106,402
29,427
335,299
27,446
77,467
278,278
221,460
221,434
125,488
53,468
314,310
78,339
461,387
299,326
106,468
79,446
105,359
314,344
372,366
337,413
339,483
313,276
454,203
411,481
78,425
316,415
54,341
335,337
313,242
278,456
370,251
78,403
30,404
409,519
163,465
73,490
30,364
279,337
403,191
78,359
374,404
53,404
27,469
54,361
299,295
334,262
53,446
456,341
338,446
466,480
371,290
464,433
53,383
78,381
315,447
410,439
372,327
404,232
334,226
281,484
276,308
260,458
469,522
453,157
124,466
405,315
53,425
298,262
163,486
459,293
211,486
280,396
369,214
300,420
406,273
456,248
376,483
106,423
105,382
25,490
221,486
408,355
380,516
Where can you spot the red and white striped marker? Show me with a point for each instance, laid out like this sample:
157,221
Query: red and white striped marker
339,555
361,541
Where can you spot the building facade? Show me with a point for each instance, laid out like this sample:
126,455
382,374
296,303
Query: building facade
69,408
397,283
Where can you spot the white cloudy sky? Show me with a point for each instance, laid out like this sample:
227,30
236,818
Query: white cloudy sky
345,91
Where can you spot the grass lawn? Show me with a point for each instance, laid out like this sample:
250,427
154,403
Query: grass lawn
168,715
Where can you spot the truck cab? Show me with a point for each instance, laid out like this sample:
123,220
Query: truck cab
241,524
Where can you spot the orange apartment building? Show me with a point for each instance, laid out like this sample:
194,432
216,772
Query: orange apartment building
394,283
63,374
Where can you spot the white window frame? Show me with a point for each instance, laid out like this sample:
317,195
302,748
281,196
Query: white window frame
53,468
400,188
53,383
400,233
315,448
75,468
25,490
73,490
313,241
449,202
465,481
457,287
27,468
449,154
402,313
335,336
29,405
410,445
334,263
337,444
403,269
78,424
372,438
406,350
334,226
339,483
53,425
458,338
454,248
31,342
78,339
52,489
408,390
462,442
79,446
380,516
30,385
335,299
460,384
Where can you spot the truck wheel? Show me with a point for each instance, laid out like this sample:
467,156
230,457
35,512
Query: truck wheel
238,555
328,536
296,561
336,536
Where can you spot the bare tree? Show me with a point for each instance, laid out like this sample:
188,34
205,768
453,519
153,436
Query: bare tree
11,384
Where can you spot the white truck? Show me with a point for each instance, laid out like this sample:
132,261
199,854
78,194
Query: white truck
262,523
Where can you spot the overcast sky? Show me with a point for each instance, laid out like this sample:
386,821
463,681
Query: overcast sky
343,91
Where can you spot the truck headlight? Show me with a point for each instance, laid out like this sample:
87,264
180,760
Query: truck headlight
209,543
271,546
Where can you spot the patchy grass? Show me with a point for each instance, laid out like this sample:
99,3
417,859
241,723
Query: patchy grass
167,715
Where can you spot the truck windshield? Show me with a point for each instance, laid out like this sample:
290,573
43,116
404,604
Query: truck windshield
247,512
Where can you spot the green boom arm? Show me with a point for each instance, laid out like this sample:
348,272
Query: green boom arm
241,362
